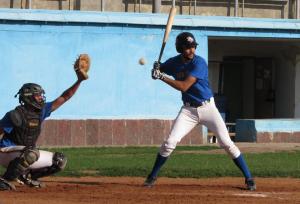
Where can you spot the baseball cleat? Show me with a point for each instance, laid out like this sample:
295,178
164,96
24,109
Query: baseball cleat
6,186
149,182
24,179
250,184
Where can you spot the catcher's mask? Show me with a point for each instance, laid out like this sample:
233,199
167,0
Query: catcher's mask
32,94
185,40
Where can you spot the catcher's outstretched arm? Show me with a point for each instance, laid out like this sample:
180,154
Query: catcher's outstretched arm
81,67
66,95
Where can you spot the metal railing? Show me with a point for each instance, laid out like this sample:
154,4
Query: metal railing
298,9
190,6
195,3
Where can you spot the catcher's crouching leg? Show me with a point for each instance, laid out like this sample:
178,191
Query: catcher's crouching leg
6,186
59,163
20,165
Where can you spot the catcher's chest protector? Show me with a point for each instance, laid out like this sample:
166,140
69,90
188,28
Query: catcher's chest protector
29,128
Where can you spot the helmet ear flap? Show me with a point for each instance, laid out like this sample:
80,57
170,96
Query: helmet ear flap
178,44
178,47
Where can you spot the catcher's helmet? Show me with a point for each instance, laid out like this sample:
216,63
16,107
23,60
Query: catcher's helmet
27,95
185,40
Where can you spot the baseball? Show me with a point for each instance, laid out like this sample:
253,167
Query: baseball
142,61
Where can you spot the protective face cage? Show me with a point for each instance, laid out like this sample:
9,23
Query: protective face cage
185,40
28,94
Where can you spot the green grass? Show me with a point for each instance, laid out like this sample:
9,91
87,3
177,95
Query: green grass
184,162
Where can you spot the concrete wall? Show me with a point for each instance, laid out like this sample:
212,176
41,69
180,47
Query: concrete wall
81,133
36,4
256,9
108,5
119,96
268,130
118,86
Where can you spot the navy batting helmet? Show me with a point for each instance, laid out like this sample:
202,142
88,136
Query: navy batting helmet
185,40
27,93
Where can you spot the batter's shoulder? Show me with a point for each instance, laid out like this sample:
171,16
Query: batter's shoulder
199,60
174,59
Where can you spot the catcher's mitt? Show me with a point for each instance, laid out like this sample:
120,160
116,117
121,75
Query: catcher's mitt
82,66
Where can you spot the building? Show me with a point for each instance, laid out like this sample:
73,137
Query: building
253,62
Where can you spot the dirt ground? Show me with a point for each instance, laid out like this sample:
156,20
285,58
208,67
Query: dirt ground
168,190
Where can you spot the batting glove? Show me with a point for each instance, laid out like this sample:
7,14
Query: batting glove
156,74
156,65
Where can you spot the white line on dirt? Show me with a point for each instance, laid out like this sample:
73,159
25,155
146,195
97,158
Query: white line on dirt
251,195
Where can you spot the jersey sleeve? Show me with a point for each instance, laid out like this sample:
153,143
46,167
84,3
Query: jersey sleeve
199,69
46,112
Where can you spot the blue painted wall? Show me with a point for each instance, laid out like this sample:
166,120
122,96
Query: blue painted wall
118,85
247,129
40,46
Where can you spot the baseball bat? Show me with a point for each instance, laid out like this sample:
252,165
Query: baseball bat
167,30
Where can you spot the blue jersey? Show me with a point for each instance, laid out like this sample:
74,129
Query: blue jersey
197,67
6,124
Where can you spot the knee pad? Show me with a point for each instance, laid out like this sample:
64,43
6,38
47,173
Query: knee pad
19,165
167,147
59,160
29,156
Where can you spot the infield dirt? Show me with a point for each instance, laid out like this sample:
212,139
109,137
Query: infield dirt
92,190
66,190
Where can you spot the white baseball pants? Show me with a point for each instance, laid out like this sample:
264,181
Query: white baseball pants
8,154
189,117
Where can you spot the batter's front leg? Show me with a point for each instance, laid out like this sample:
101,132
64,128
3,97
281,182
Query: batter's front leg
186,120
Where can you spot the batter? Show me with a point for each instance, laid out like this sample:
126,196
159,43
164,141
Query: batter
190,73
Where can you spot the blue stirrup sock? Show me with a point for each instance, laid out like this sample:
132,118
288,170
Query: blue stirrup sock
241,163
159,162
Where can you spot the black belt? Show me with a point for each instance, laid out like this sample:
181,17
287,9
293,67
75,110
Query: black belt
196,104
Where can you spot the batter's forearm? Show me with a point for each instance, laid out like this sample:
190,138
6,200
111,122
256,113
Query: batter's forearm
179,85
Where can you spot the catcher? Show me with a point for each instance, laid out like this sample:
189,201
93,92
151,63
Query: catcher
21,127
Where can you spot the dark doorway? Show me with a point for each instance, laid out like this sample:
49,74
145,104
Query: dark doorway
264,88
247,85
